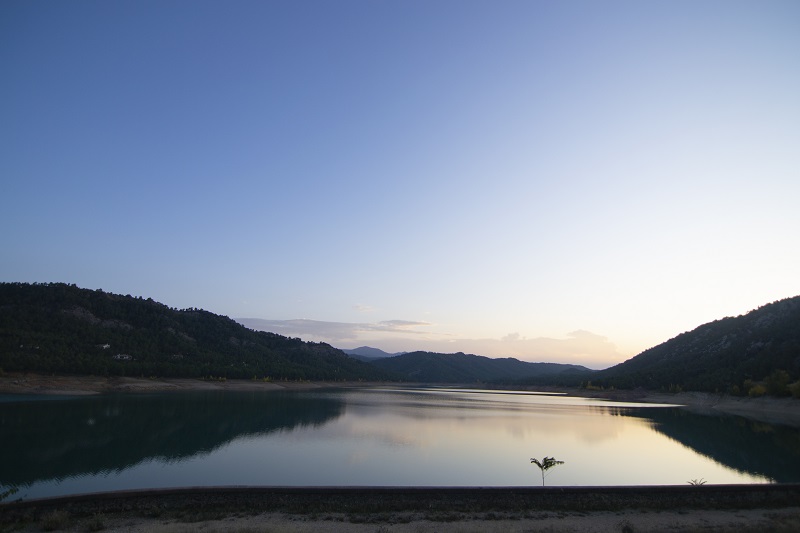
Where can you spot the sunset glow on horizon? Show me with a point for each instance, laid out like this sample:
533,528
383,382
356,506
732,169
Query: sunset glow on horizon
567,181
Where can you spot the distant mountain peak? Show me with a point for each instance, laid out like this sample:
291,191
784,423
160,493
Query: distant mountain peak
368,353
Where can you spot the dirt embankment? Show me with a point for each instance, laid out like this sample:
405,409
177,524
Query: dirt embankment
86,385
720,509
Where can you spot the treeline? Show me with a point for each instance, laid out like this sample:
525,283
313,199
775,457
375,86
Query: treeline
60,328
749,355
428,367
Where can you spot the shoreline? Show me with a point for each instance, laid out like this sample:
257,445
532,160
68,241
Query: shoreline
785,411
720,508
782,411
38,384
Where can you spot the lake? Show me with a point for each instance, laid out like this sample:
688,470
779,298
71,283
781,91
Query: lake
374,437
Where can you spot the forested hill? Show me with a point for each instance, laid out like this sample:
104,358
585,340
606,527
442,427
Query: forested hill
466,368
752,354
59,328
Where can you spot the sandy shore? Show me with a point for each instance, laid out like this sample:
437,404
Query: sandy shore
774,410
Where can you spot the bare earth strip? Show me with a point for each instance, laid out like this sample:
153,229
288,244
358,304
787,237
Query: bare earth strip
86,385
774,410
714,521
719,509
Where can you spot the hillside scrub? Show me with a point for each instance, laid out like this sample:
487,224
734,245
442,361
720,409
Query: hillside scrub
62,329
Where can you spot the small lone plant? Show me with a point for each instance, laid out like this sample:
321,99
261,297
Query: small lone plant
546,464
700,481
95,523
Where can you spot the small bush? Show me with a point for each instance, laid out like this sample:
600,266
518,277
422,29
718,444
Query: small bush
95,523
54,520
626,527
777,383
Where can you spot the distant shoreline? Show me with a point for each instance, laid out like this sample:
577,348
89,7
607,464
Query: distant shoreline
29,383
784,411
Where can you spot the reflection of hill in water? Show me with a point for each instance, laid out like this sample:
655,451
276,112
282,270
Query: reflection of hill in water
42,440
745,445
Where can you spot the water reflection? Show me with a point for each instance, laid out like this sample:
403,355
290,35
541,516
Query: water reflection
45,440
372,437
745,445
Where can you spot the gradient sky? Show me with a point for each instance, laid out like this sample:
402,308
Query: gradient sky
562,181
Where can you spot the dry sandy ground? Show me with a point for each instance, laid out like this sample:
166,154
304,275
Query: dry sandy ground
706,521
774,410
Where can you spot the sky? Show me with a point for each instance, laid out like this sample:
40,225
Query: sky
559,181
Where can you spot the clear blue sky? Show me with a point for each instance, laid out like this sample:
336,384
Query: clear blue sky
562,180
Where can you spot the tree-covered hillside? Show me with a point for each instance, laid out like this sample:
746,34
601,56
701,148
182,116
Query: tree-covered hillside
465,368
752,354
59,328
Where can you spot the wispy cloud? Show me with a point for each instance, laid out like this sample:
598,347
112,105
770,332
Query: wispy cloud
578,347
398,325
333,332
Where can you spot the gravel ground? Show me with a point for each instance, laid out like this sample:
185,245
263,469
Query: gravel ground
716,508
628,521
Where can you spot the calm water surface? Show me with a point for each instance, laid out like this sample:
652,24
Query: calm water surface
374,437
